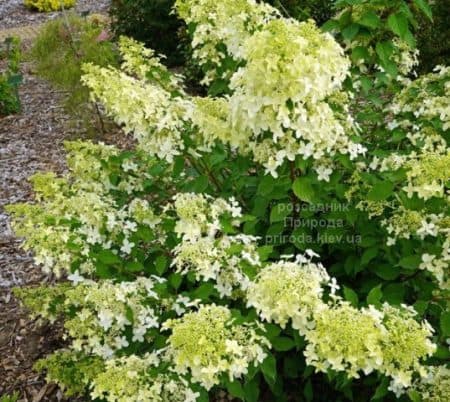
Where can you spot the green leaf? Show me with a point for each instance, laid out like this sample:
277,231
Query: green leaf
308,392
264,252
384,50
272,331
350,32
204,291
360,52
369,20
374,296
279,212
108,257
394,293
175,280
134,266
199,185
424,7
266,185
330,25
398,24
380,191
269,368
445,323
235,389
369,255
161,264
414,396
251,390
351,296
303,189
283,344
104,271
387,272
410,262
381,390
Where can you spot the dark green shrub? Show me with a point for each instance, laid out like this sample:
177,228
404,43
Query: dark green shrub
319,10
150,22
63,46
433,42
10,78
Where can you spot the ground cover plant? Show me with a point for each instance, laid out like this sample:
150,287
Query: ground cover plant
285,238
10,77
49,5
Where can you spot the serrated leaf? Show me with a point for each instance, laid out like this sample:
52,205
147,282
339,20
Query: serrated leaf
386,272
108,257
279,212
394,293
161,264
350,32
204,291
272,331
369,20
380,191
424,7
303,189
251,390
398,24
384,50
175,280
308,392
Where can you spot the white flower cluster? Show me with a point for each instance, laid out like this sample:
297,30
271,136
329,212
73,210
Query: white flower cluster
281,104
420,100
77,212
206,343
146,109
435,387
105,310
200,214
278,108
439,265
339,336
142,62
390,341
219,260
285,291
130,378
204,250
219,23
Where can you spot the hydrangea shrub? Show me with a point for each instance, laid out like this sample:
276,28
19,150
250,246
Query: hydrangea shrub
270,242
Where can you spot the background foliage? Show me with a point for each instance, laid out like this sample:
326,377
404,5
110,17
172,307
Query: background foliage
10,77
61,48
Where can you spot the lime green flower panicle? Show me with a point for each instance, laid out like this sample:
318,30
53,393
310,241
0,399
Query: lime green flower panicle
206,343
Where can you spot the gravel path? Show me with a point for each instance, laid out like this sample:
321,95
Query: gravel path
13,13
